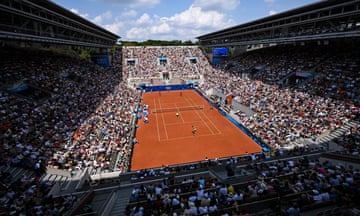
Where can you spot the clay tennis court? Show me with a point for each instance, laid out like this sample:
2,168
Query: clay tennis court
168,140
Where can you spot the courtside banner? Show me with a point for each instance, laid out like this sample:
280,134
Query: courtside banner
168,87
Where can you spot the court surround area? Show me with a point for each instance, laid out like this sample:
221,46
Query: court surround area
167,137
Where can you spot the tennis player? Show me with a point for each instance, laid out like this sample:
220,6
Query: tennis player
177,114
194,130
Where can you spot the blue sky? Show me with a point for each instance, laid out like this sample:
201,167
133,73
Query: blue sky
140,20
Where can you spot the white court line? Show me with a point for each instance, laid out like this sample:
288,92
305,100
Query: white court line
157,122
182,119
186,137
162,116
219,131
170,124
212,132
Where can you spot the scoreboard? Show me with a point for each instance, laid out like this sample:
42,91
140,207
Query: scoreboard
220,52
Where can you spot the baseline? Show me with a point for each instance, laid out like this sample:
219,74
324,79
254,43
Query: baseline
187,137
170,124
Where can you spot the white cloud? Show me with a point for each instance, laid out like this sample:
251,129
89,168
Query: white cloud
137,33
132,3
144,19
217,4
160,29
129,13
77,12
195,17
186,25
272,12
104,16
182,26
115,27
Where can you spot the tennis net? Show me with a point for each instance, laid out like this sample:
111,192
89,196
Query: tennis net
177,109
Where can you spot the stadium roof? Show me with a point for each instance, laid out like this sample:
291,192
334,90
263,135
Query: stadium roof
320,11
45,21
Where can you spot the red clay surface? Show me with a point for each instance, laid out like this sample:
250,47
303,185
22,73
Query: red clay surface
168,140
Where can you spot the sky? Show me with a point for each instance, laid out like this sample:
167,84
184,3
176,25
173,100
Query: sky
141,20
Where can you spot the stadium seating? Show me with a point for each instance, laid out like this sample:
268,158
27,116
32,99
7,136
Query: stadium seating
65,114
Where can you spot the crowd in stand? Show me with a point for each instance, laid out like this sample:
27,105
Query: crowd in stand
29,196
338,78
150,63
300,184
277,63
350,141
66,113
283,114
69,123
63,113
84,121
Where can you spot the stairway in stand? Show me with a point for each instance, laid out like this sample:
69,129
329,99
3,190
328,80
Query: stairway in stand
327,140
122,200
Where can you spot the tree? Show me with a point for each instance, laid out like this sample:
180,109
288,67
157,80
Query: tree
159,43
85,54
